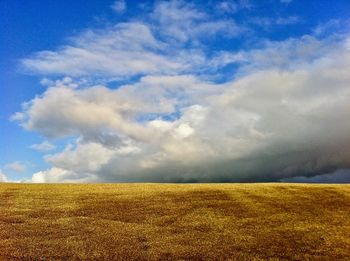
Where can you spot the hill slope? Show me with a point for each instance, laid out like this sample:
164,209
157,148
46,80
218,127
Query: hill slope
168,221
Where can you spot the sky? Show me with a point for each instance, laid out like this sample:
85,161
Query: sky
175,91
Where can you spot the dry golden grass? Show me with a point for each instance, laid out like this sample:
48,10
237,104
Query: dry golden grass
181,222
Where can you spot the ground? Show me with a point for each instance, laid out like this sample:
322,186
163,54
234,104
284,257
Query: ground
174,222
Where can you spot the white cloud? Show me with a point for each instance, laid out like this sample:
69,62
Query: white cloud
283,113
182,22
119,6
121,51
16,166
18,116
340,26
270,123
63,111
289,54
152,46
175,18
45,146
85,158
57,175
3,177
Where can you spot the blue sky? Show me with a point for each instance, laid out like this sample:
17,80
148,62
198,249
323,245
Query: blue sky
155,91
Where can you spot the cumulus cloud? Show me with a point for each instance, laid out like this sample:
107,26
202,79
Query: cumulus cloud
85,158
57,175
45,146
283,114
266,125
16,166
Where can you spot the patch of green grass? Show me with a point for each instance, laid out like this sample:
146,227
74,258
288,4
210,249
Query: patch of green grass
174,221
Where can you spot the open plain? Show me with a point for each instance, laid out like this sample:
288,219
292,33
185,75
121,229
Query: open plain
174,222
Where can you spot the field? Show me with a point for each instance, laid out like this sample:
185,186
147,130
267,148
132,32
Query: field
174,222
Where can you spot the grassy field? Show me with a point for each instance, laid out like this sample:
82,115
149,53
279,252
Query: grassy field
174,222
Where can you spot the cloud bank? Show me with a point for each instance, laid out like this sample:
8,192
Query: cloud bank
284,113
